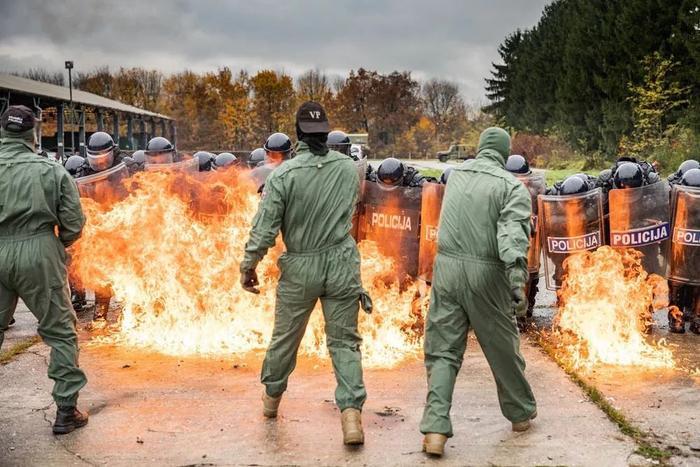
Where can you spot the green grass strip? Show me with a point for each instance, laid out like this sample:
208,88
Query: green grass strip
644,447
7,355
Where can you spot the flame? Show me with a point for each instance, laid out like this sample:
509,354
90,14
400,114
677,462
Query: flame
170,252
606,302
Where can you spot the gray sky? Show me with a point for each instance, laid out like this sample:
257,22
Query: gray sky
450,39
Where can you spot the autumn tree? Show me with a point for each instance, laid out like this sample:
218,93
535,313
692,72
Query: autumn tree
444,105
273,101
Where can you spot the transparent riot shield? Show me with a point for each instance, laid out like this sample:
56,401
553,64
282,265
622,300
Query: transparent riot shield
361,171
259,175
684,248
391,217
429,217
536,185
187,165
640,219
104,187
568,224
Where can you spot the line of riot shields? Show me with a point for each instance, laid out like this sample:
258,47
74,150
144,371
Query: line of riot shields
661,223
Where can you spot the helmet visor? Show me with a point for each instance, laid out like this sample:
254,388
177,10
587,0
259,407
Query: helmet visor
159,157
100,161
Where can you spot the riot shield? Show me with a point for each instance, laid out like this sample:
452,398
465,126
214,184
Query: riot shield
568,224
684,254
361,171
391,217
104,187
640,219
187,165
429,217
259,174
535,184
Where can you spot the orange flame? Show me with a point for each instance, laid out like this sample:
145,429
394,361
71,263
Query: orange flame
170,253
606,302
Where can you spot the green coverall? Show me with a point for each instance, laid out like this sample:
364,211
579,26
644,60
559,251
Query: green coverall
311,199
483,240
38,201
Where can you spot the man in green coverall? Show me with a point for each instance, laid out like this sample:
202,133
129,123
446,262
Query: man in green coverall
311,199
479,278
40,215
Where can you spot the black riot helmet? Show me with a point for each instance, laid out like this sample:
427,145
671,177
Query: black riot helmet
224,160
446,174
256,157
339,141
688,165
139,156
160,150
573,185
73,164
278,147
629,175
605,176
100,151
390,171
691,178
204,159
517,164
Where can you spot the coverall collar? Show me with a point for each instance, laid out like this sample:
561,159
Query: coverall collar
11,142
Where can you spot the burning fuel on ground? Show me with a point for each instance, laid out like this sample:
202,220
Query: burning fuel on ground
170,252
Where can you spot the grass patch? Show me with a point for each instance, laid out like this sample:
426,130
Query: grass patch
17,349
430,172
644,446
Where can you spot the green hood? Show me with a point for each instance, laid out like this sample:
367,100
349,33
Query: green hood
496,140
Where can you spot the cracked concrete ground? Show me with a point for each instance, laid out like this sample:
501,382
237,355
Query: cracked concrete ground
148,409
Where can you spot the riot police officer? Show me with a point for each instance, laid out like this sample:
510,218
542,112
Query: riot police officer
160,150
340,141
278,148
205,160
102,154
393,172
519,166
257,157
445,175
687,165
686,297
224,160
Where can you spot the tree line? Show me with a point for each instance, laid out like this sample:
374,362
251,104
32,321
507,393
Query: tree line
223,109
607,76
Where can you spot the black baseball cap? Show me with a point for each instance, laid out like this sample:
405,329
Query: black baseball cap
312,118
17,119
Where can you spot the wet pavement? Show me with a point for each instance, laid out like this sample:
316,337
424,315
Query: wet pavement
663,403
148,409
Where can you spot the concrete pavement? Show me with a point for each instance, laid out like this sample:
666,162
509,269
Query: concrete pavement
148,409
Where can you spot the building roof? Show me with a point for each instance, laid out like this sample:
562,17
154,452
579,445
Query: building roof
62,94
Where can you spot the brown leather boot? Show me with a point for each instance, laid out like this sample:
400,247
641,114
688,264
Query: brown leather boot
524,425
270,405
351,421
68,419
434,444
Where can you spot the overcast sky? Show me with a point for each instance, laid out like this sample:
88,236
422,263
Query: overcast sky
450,39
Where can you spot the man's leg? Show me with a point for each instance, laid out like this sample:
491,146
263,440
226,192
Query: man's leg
445,342
8,304
494,324
41,282
694,291
291,318
343,340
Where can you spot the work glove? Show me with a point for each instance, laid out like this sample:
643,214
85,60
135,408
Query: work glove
249,281
518,301
366,302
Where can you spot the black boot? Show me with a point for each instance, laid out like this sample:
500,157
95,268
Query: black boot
101,309
676,322
78,300
695,326
68,419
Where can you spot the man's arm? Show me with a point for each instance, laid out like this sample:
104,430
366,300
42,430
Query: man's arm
514,234
266,224
70,213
